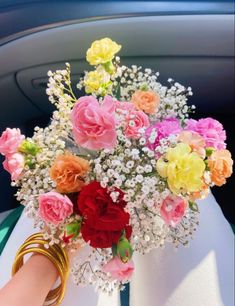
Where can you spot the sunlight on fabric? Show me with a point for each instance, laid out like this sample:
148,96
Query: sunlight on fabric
105,299
206,269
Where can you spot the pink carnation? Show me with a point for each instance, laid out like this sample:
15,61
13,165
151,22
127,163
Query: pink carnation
54,207
125,106
164,129
10,141
173,209
94,123
135,120
211,130
118,269
14,164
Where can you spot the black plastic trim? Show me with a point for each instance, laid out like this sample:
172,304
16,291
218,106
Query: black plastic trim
21,20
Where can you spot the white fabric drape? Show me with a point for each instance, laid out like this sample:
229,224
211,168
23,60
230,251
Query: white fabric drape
201,275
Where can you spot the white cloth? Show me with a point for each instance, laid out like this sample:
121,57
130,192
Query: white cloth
201,275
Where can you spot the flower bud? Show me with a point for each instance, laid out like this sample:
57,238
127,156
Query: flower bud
124,249
72,230
29,147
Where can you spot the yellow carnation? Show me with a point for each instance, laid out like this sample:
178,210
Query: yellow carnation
97,81
102,51
162,167
182,168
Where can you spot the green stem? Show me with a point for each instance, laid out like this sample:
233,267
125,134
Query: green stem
71,91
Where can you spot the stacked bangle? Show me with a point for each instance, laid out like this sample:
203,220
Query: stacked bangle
56,254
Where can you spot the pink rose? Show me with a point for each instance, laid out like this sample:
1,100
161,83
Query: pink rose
94,123
54,207
10,141
173,209
164,129
135,120
118,269
211,130
14,164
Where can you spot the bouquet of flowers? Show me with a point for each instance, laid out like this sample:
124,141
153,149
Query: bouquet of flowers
117,170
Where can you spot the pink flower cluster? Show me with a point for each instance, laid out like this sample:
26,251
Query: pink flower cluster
118,269
211,130
134,121
10,141
54,207
173,209
94,123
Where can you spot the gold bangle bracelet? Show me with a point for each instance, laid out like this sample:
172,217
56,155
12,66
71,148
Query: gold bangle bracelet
53,293
19,263
56,254
57,293
59,250
54,250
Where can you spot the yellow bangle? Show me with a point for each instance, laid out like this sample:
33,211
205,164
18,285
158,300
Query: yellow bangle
56,254
61,257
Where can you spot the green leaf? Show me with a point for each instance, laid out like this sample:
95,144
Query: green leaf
209,151
30,163
114,250
144,87
117,92
207,165
193,206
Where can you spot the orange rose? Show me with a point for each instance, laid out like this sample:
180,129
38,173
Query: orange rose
220,164
146,101
68,171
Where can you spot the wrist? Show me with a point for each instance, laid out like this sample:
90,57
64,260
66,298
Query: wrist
47,263
43,263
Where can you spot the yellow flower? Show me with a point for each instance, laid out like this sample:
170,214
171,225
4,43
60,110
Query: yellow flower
162,167
102,51
97,81
182,168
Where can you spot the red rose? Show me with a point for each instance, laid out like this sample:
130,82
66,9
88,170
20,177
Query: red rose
104,220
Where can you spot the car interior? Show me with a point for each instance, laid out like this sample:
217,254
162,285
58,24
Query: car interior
191,42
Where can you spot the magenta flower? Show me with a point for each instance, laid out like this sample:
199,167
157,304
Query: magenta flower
164,129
